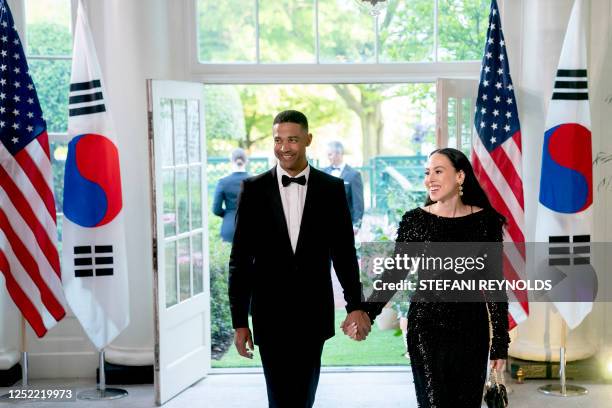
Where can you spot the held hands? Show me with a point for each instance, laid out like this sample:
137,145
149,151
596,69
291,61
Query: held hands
242,339
357,325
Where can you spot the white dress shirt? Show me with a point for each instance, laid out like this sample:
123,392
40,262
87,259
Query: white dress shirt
293,197
337,172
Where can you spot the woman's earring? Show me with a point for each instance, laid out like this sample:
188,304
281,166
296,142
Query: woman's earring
460,190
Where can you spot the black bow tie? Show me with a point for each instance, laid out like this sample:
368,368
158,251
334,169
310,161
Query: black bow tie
286,180
335,168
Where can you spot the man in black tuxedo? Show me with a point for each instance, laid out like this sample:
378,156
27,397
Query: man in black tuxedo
353,185
292,222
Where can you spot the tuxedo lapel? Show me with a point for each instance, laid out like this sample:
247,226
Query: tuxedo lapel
277,210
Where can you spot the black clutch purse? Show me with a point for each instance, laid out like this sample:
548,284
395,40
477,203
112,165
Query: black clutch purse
496,395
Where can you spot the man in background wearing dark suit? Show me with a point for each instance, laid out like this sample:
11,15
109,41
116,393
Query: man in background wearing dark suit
293,221
353,185
227,192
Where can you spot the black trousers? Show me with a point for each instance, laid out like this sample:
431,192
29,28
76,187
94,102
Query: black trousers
292,373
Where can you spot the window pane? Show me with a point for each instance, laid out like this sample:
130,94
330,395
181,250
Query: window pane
182,200
195,178
179,120
59,151
346,34
226,30
467,125
170,271
193,131
197,263
52,81
452,123
169,216
287,32
60,224
48,27
462,29
407,31
183,264
167,148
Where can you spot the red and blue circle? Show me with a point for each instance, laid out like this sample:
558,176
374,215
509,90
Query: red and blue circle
92,181
566,183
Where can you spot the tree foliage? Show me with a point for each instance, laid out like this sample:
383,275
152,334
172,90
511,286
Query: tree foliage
51,77
224,116
406,34
242,115
262,102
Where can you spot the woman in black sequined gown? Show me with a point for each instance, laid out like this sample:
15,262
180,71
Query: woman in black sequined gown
448,342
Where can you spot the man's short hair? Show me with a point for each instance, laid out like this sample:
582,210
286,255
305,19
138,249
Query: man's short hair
336,147
292,116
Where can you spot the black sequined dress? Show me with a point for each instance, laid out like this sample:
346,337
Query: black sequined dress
448,342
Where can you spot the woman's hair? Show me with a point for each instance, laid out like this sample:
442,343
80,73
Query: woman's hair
239,156
473,194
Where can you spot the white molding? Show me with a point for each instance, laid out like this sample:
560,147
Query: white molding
330,73
130,356
8,358
65,352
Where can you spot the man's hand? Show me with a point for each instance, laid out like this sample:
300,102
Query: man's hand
242,339
357,325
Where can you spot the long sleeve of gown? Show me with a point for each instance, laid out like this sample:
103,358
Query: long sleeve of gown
498,310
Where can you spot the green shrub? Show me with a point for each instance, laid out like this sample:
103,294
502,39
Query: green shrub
221,322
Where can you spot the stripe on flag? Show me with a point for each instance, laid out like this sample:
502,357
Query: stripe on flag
86,98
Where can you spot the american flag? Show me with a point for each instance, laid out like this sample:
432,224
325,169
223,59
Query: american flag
29,258
497,157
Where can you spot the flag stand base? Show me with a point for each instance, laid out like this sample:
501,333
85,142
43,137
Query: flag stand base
102,393
105,394
557,390
562,389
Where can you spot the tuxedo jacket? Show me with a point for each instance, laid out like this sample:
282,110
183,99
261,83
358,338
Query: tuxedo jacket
290,294
353,187
226,192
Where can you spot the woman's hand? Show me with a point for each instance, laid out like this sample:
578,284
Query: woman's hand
498,364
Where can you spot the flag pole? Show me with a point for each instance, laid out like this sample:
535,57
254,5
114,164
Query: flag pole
24,355
563,389
101,392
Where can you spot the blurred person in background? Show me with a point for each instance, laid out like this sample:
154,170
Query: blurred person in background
226,194
353,185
